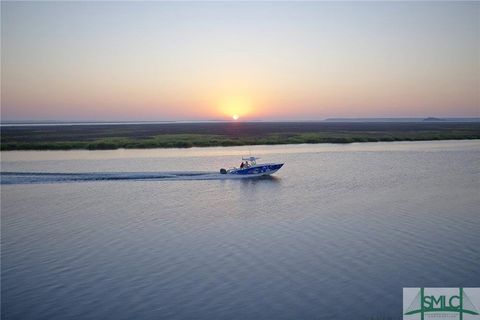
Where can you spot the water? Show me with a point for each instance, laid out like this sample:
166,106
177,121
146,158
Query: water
335,234
42,177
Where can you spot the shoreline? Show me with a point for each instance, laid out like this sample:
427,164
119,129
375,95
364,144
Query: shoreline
167,136
2,149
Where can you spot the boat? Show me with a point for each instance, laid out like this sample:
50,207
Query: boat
251,168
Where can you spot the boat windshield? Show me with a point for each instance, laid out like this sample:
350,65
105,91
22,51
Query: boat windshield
250,161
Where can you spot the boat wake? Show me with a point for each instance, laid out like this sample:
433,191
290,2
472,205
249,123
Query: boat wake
8,178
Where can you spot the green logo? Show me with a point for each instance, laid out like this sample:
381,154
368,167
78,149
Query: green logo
439,302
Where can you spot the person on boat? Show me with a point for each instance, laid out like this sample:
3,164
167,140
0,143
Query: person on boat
246,164
242,165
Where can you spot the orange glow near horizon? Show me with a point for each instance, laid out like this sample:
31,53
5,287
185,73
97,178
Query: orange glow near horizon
235,106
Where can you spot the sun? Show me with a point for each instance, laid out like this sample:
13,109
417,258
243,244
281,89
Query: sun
235,106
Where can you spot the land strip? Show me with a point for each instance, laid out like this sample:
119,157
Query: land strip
185,135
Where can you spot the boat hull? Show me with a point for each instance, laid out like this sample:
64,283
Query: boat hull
258,170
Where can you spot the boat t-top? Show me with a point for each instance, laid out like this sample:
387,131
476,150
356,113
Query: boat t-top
251,168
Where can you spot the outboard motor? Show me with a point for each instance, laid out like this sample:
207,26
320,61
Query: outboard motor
223,171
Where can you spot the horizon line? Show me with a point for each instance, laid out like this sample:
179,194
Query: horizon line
68,121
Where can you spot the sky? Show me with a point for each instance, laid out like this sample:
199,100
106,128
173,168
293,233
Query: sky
257,60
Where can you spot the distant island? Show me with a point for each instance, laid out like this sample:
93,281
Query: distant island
208,134
433,119
472,119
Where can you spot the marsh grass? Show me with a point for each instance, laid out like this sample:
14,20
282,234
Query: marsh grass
210,140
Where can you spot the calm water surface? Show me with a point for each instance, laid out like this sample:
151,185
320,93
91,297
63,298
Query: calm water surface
335,234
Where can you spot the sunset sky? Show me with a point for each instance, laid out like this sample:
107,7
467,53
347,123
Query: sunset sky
258,60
